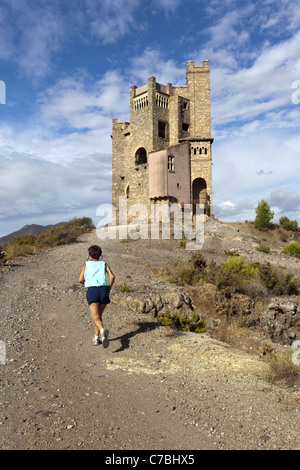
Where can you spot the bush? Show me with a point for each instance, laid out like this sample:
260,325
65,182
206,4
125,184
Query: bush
2,257
238,266
79,222
182,322
61,234
264,215
234,276
282,368
263,249
283,238
123,287
276,283
187,275
190,273
292,249
198,261
288,224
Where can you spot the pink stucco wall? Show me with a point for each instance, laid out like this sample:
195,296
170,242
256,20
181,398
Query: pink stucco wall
176,184
157,170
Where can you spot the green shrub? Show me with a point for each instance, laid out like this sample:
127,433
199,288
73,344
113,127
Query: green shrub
234,276
225,281
278,284
182,322
187,275
263,249
79,222
198,261
292,249
123,287
239,266
288,224
2,257
264,215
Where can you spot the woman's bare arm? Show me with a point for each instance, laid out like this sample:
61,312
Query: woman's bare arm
111,276
81,275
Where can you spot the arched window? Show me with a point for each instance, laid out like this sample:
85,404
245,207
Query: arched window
140,156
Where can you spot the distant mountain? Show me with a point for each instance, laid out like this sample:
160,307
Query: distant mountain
27,229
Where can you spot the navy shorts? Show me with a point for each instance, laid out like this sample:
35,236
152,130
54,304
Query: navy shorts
98,294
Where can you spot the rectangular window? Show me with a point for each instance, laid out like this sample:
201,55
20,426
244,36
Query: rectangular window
171,163
185,126
162,128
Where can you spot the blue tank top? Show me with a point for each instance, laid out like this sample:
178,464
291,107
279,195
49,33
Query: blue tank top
94,274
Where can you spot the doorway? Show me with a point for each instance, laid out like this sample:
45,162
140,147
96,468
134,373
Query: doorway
200,195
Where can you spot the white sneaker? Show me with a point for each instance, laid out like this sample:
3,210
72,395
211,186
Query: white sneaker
104,338
96,340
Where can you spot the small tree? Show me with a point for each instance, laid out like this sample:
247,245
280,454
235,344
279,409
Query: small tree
2,256
264,215
288,224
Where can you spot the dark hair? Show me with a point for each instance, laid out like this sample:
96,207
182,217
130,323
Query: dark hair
95,251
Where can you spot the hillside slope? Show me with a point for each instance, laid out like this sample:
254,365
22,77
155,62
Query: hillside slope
31,229
153,388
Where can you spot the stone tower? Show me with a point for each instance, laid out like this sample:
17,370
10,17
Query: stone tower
164,153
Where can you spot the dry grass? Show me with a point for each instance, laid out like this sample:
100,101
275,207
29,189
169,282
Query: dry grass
233,276
231,332
275,237
282,369
62,234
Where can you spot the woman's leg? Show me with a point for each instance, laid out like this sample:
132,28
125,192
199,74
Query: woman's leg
96,310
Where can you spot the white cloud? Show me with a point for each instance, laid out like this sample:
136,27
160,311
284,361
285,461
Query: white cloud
250,168
34,187
251,76
109,20
287,203
59,163
259,89
240,210
152,63
77,102
169,6
32,34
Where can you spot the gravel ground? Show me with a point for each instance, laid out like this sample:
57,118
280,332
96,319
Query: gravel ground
150,389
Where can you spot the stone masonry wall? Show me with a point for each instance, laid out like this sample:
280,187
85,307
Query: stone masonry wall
162,116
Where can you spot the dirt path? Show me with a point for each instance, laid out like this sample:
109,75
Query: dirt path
149,390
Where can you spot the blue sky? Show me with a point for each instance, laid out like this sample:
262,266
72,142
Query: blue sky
66,68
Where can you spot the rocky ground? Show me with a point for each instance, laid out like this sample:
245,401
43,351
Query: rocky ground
152,388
